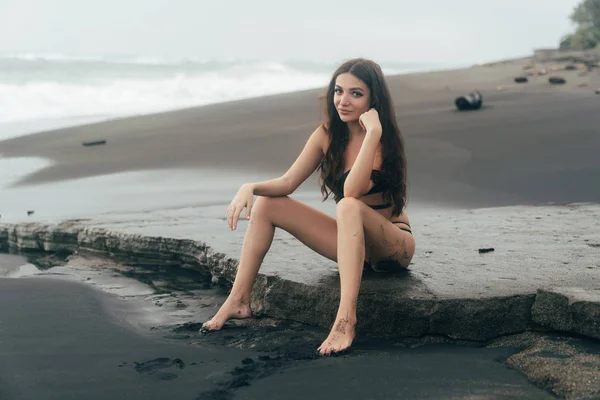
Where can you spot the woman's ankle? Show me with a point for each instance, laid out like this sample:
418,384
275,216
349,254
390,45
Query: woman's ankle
238,298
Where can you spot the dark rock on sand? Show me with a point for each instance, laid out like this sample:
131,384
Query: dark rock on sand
557,80
94,143
564,365
521,79
471,101
575,310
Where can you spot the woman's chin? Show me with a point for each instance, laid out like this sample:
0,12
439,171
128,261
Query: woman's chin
348,118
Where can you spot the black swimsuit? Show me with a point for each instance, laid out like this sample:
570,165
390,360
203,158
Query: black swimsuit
403,229
377,188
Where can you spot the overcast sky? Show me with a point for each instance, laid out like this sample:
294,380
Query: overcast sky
430,31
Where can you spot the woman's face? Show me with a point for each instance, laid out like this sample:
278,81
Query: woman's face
351,97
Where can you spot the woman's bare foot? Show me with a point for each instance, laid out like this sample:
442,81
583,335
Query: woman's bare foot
231,309
340,338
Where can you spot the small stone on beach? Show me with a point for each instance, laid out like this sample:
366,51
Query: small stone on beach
471,101
557,80
486,250
94,143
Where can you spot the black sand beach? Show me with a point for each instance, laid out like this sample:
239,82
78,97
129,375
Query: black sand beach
529,144
66,340
59,341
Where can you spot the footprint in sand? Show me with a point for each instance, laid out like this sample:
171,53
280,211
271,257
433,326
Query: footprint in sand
164,369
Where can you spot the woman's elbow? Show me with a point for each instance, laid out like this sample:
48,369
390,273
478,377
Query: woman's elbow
289,187
351,192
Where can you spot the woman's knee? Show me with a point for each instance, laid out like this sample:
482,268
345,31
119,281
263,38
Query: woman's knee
348,207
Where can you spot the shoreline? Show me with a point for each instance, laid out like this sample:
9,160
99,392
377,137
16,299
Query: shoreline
52,125
454,159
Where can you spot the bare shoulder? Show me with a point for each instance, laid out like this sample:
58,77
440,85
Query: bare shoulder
308,161
321,135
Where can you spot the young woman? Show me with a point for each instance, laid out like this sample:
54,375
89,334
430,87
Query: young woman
360,153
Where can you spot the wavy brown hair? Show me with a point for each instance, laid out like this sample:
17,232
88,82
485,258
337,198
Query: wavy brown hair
393,168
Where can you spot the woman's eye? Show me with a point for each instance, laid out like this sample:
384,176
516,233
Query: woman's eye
337,90
356,94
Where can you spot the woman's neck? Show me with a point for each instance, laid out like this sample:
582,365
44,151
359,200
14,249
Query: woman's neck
355,130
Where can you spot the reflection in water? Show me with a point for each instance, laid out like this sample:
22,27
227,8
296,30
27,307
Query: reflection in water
157,293
14,169
136,191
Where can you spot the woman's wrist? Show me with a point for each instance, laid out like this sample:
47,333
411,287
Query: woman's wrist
374,132
251,186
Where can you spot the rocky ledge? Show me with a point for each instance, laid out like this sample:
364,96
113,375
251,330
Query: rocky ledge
438,296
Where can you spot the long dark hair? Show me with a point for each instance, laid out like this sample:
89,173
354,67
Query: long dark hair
393,168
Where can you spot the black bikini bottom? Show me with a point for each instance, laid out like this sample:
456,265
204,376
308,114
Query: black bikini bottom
381,206
403,229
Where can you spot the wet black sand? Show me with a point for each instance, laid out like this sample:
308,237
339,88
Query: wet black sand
57,342
67,340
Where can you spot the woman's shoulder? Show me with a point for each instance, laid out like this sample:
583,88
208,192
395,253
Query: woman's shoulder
322,136
322,131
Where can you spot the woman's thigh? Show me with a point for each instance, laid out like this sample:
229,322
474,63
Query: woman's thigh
310,226
386,245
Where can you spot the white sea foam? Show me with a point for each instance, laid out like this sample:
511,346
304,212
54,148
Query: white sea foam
41,86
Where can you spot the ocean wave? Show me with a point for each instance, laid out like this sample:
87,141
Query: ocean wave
119,97
66,58
61,59
55,85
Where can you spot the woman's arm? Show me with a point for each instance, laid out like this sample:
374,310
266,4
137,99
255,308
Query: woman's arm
359,181
306,163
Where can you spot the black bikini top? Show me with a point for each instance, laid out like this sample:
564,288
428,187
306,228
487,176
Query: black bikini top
378,186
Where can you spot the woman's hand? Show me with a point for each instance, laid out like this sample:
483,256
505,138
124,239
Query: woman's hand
243,199
370,121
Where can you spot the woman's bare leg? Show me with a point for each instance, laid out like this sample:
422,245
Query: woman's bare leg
257,241
351,256
314,228
358,226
